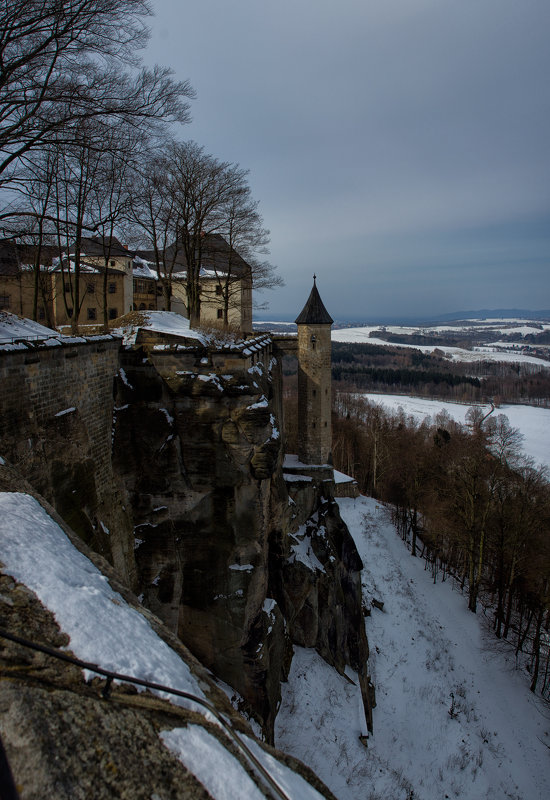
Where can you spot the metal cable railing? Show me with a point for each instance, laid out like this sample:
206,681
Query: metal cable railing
257,766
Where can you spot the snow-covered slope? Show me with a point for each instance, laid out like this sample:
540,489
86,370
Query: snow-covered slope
425,646
106,631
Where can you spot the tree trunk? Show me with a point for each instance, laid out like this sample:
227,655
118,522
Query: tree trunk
536,651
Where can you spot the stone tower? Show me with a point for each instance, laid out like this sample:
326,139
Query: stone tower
314,381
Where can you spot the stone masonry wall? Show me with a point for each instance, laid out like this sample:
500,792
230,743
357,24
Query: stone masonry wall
56,411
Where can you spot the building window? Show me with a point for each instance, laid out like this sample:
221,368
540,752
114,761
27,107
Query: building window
92,313
69,312
142,306
220,313
314,392
144,287
4,300
67,287
112,262
219,289
151,307
41,313
113,314
90,288
112,288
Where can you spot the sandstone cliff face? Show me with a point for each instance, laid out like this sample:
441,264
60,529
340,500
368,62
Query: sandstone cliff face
218,540
198,452
178,482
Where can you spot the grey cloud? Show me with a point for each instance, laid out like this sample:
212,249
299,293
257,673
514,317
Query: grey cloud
381,137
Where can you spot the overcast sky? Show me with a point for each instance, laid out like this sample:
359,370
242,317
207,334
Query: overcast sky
400,149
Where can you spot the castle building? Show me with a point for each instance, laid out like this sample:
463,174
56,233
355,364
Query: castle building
314,381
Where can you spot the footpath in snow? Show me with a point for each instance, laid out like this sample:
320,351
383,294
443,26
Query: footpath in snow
425,645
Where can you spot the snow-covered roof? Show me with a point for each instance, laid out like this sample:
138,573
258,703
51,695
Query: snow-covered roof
13,327
167,322
144,269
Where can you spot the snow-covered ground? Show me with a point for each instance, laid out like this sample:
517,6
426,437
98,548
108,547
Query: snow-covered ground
425,646
487,353
532,422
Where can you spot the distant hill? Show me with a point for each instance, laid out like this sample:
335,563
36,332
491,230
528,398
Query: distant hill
498,313
454,316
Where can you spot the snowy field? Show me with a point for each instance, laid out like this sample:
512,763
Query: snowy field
425,645
486,353
534,423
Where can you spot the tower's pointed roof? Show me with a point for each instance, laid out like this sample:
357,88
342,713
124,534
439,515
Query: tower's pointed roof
314,311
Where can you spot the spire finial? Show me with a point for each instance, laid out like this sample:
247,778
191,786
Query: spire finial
314,277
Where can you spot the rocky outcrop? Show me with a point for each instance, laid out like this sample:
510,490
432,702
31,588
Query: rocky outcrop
199,453
233,564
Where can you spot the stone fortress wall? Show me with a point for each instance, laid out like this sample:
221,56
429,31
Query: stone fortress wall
44,383
56,421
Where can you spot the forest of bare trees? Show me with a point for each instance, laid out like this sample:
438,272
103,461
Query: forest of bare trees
395,370
466,501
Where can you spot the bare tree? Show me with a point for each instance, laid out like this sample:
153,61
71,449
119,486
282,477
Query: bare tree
197,212
65,62
154,214
110,200
202,187
243,262
78,172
